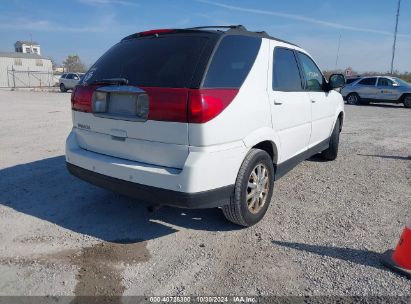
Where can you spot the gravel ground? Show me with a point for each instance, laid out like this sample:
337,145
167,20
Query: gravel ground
323,234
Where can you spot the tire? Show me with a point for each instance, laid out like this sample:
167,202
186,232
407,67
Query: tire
407,101
247,212
353,99
332,151
62,88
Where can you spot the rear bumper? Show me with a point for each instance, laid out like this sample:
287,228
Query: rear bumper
206,179
206,199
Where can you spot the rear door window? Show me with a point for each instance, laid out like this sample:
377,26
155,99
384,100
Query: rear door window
286,75
164,61
368,81
313,77
232,61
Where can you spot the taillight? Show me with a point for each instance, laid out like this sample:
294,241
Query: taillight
81,98
167,104
206,104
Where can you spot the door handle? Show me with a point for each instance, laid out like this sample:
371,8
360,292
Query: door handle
277,102
313,100
118,133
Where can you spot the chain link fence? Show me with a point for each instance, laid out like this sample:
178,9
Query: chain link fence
31,79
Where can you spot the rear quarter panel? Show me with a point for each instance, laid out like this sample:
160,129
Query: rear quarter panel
249,111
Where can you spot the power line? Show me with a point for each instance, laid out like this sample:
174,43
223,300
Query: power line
395,36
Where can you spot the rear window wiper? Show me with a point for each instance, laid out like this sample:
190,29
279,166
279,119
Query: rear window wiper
117,81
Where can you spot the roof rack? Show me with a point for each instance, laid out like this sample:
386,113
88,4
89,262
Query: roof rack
238,27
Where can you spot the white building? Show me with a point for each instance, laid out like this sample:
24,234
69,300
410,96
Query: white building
21,69
27,47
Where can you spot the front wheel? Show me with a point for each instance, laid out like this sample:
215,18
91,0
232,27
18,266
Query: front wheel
253,189
407,101
63,88
332,151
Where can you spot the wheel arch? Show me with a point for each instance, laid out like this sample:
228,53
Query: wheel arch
264,139
341,119
403,96
269,147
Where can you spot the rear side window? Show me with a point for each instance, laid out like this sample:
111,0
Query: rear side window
286,75
164,61
63,76
232,61
368,81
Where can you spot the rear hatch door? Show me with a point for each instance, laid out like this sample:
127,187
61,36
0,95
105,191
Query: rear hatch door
132,103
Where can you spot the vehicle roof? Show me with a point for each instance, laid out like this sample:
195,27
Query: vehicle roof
216,30
376,76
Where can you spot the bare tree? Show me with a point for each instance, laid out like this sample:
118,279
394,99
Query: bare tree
73,63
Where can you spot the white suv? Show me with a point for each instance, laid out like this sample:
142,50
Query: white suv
69,81
202,118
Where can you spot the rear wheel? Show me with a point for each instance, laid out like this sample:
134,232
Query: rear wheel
353,99
407,101
63,88
332,151
253,189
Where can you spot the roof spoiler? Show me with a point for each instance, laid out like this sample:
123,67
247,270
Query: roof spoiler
237,27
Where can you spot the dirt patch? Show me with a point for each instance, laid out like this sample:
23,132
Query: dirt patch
100,267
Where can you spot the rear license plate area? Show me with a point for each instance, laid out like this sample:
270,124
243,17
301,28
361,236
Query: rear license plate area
121,102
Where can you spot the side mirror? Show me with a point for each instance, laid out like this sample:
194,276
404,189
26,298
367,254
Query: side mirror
336,81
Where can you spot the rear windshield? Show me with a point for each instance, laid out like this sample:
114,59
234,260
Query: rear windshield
232,61
164,61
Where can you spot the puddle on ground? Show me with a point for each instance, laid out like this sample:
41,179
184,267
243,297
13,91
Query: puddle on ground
99,266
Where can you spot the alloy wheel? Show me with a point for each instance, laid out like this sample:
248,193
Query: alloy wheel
352,99
257,189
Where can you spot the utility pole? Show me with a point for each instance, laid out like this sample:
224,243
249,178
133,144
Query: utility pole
395,37
338,52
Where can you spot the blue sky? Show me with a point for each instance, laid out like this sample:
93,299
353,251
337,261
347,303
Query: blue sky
89,27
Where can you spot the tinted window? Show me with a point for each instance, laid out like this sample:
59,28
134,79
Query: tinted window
286,76
385,82
368,81
313,76
63,76
70,76
164,61
350,80
232,61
